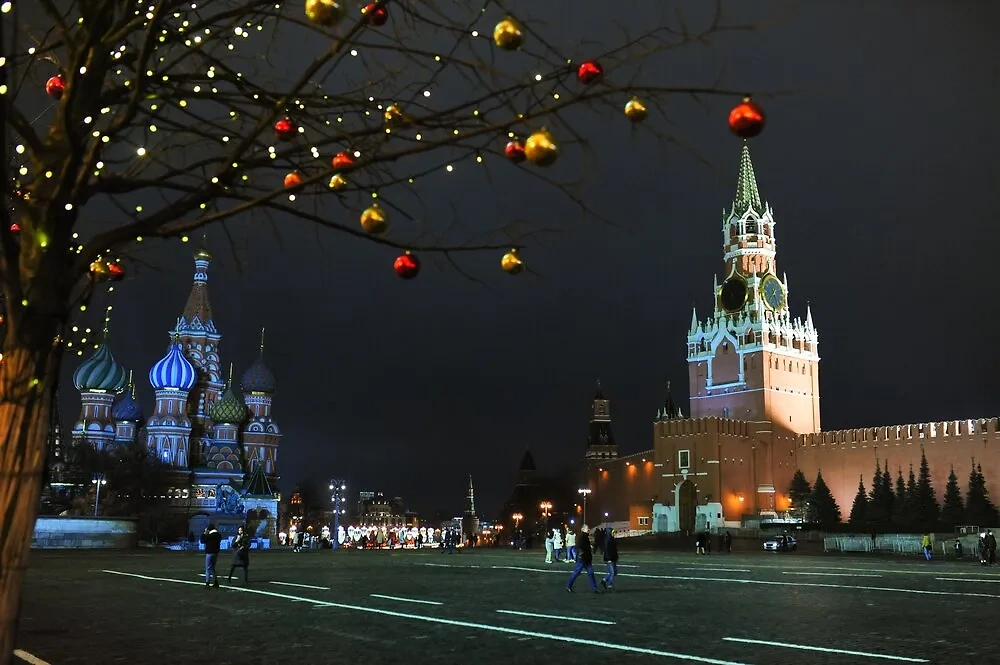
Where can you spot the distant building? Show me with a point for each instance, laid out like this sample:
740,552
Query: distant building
377,509
755,412
470,520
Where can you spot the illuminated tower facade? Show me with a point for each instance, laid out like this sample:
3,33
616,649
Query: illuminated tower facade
128,416
99,379
470,520
261,436
752,360
168,431
600,441
229,413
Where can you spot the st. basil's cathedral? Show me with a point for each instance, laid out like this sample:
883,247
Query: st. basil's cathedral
222,442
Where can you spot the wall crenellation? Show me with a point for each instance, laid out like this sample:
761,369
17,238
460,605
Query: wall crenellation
985,427
707,425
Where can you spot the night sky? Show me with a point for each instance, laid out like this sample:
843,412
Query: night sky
881,166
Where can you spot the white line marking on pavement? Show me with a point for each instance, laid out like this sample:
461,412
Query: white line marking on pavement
304,586
29,658
721,570
625,565
453,622
450,565
846,652
834,574
556,616
405,600
965,579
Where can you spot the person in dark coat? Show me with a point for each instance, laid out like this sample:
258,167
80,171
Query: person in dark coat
610,560
584,560
212,540
727,542
241,554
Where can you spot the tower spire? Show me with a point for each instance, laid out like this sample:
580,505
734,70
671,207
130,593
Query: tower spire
262,341
229,382
107,329
747,195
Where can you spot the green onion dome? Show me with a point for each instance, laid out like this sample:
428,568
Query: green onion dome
228,409
100,372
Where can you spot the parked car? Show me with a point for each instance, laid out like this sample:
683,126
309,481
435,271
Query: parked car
774,544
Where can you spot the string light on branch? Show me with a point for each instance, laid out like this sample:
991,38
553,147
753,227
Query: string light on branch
507,34
635,110
511,263
589,72
514,151
325,12
747,120
374,220
55,86
375,13
541,148
407,266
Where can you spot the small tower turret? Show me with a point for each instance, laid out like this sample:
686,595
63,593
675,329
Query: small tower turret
127,415
600,441
228,413
261,435
99,379
168,431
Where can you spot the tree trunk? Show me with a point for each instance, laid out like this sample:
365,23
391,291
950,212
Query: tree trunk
24,424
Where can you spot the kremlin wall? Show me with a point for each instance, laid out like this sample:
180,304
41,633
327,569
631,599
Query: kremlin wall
753,371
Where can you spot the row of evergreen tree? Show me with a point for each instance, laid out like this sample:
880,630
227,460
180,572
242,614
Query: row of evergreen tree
904,505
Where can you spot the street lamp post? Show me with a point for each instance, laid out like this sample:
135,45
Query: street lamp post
546,507
585,491
98,480
338,487
517,517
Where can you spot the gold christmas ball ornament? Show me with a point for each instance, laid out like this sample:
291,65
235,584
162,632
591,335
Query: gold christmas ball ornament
507,34
325,12
635,110
541,148
99,270
393,114
511,263
338,182
374,220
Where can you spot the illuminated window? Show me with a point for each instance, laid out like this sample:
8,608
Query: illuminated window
683,458
643,521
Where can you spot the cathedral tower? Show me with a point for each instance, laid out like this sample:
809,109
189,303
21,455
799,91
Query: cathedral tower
127,415
168,431
228,413
261,435
99,379
751,360
470,520
199,339
600,441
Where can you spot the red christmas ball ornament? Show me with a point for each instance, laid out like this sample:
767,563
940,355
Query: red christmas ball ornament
342,160
747,120
116,272
55,86
589,72
15,228
293,179
515,151
375,13
285,129
406,266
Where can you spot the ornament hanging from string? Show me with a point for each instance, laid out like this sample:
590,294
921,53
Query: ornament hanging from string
374,220
747,119
406,265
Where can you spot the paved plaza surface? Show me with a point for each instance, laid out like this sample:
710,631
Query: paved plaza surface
495,605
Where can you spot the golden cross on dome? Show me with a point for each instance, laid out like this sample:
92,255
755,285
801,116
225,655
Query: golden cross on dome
230,381
262,341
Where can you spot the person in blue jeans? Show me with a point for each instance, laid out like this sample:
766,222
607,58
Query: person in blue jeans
584,560
611,560
212,540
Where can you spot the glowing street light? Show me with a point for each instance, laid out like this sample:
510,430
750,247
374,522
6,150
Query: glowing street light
546,507
517,517
585,491
98,480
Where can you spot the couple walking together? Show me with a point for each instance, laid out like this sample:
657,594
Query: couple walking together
585,560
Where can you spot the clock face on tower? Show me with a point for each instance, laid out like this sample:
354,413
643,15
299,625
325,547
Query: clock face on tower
772,292
733,294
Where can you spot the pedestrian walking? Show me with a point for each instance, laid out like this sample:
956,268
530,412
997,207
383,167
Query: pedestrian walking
571,545
549,548
241,554
925,543
584,560
611,561
727,541
991,548
212,540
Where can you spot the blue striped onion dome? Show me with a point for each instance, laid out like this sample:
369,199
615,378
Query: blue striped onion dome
258,378
228,409
173,371
100,372
127,409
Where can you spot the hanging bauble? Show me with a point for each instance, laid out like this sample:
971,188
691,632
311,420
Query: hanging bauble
324,12
406,265
99,270
511,263
116,272
393,114
342,160
507,34
746,120
15,228
285,129
635,110
514,151
55,86
338,182
375,13
541,148
293,179
589,72
374,220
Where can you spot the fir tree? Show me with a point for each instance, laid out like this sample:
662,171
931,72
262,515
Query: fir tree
880,501
798,493
925,506
902,516
823,507
953,511
859,511
979,510
888,498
